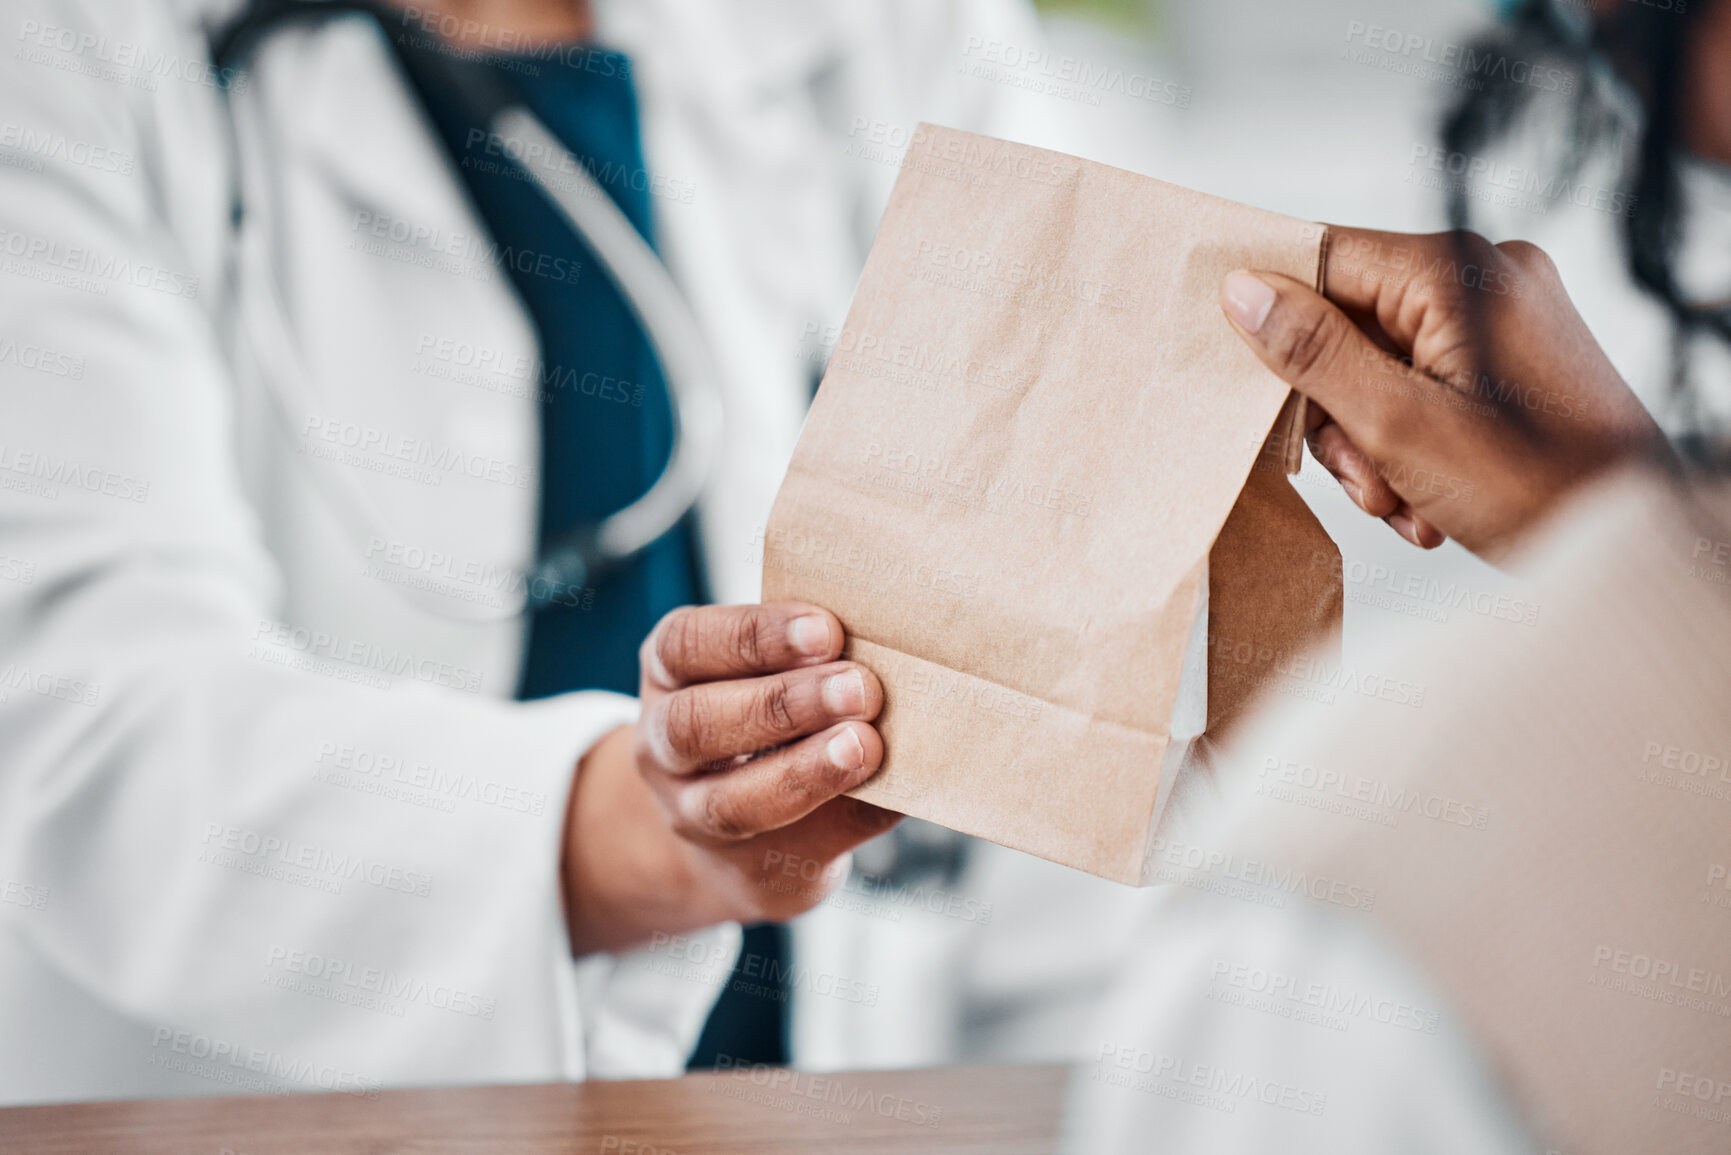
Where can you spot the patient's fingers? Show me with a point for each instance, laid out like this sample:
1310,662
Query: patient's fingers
1406,280
1407,522
1363,482
1356,472
1381,433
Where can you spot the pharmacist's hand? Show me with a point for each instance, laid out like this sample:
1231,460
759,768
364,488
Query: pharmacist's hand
750,732
1455,389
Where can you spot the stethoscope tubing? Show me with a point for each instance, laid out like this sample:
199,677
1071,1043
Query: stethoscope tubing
673,333
578,557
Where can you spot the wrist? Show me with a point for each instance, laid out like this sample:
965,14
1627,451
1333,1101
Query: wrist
625,875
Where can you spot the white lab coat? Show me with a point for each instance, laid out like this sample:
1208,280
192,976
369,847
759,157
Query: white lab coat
266,822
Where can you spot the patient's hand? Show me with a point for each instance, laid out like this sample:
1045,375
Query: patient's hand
750,732
1455,390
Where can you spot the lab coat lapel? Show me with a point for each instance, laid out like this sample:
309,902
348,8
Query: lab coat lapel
386,278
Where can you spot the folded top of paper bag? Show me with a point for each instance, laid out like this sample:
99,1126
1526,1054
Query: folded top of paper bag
1033,427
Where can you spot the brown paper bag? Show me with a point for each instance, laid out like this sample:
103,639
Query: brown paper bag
1026,487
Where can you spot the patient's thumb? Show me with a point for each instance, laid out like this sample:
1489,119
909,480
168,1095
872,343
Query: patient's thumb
1306,340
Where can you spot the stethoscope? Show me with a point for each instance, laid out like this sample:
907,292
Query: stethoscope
576,558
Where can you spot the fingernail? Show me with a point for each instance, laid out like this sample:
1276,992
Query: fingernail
844,693
1247,300
809,635
845,751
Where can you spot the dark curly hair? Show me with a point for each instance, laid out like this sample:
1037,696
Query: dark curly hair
1641,49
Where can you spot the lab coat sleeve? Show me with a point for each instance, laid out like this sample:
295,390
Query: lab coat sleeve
237,842
1238,1028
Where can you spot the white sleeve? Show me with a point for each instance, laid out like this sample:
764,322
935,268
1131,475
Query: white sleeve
1240,1028
228,845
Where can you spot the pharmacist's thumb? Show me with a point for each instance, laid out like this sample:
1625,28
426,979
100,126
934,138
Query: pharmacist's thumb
1315,348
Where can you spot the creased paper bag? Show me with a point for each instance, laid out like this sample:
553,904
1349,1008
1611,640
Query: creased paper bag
1043,485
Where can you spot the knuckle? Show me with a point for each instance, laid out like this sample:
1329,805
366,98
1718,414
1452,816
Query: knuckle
1349,458
686,720
687,818
1528,258
1441,259
1474,245
1311,343
745,640
1520,252
775,710
675,639
1378,499
1475,241
718,817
